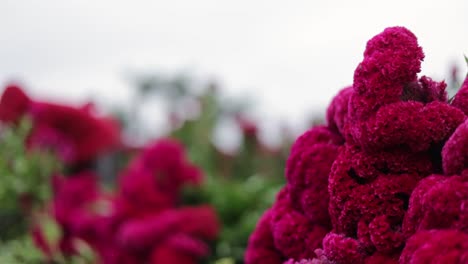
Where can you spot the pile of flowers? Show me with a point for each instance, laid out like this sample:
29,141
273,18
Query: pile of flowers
384,181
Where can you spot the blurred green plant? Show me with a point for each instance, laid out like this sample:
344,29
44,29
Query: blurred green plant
24,179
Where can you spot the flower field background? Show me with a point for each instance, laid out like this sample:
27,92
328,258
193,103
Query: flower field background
73,189
381,178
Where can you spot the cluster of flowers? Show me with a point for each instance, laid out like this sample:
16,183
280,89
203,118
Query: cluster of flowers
141,222
384,181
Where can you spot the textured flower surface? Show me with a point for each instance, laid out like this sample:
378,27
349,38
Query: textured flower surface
436,246
384,174
296,224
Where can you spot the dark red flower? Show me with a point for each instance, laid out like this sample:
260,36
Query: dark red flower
71,198
154,179
14,103
76,134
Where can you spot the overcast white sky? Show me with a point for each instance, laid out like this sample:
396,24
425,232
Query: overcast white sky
292,55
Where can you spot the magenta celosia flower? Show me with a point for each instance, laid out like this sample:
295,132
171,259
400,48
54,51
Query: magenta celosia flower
294,235
438,202
436,246
379,194
76,134
386,85
296,224
337,112
261,248
396,124
307,171
460,100
455,151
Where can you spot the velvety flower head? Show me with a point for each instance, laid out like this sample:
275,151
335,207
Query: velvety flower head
391,60
436,246
261,247
307,169
438,202
394,126
281,234
294,235
460,100
364,187
337,112
386,85
14,103
455,151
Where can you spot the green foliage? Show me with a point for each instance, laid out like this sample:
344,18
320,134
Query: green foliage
21,250
24,179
